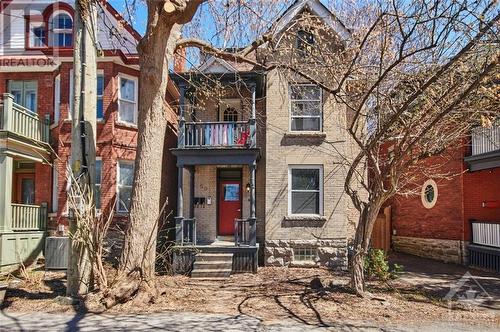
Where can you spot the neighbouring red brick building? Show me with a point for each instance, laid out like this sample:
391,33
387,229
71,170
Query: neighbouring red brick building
456,220
36,69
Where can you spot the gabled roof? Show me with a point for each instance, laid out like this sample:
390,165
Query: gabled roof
316,8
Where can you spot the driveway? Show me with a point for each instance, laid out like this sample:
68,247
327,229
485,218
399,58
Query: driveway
192,322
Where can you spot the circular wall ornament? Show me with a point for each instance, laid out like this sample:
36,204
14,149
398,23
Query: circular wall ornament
429,194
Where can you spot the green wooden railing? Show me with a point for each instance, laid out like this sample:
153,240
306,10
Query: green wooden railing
20,120
28,217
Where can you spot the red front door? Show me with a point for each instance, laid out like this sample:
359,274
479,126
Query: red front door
229,205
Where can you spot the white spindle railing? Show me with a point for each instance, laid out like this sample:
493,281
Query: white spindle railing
487,234
486,140
28,217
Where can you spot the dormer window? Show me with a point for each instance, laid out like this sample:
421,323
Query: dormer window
305,41
61,30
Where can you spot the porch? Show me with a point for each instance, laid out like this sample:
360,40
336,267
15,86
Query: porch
24,144
484,248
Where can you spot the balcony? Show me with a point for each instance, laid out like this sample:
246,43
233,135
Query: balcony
23,133
485,148
216,142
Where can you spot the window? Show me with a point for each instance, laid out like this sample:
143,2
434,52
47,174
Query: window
127,100
25,93
37,36
305,42
98,174
230,114
305,107
61,30
125,180
100,92
57,98
305,185
304,254
429,194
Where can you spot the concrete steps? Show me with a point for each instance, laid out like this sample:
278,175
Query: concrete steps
212,266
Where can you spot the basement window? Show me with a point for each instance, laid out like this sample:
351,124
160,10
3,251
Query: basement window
304,254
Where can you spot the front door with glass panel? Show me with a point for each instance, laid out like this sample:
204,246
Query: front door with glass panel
229,205
25,189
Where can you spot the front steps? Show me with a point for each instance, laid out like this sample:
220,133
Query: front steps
212,266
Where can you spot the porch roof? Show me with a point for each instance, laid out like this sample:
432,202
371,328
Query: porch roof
216,156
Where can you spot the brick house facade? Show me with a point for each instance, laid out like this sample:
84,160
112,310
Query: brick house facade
46,71
292,207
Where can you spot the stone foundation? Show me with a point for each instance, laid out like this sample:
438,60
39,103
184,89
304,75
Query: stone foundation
448,251
329,253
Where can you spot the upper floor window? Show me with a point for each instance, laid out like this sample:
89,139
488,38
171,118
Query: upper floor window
61,30
305,41
125,181
100,93
37,37
25,93
306,109
230,115
127,100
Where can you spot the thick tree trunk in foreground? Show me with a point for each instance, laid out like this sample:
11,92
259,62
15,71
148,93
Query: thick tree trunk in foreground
137,265
83,133
367,219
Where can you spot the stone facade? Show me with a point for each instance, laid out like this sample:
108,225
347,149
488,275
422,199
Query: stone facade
329,253
449,251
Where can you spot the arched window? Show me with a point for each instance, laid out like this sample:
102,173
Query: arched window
230,115
61,30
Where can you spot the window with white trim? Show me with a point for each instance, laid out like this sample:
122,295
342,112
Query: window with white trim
25,93
100,94
37,36
306,109
124,181
98,175
305,190
127,100
61,30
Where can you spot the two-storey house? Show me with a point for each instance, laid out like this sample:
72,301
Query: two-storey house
260,158
36,71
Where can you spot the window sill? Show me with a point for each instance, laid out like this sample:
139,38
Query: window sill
304,220
305,134
304,264
126,124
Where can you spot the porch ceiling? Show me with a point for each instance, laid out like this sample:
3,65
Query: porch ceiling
216,156
20,147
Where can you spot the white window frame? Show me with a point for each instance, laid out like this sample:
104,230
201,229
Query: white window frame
136,96
32,38
118,186
321,188
52,30
305,100
23,92
100,72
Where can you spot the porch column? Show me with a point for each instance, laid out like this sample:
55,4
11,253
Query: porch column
6,165
253,219
180,205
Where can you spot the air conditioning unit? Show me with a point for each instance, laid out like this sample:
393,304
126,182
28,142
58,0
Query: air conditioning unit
56,253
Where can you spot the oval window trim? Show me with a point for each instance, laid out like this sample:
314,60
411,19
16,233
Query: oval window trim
424,194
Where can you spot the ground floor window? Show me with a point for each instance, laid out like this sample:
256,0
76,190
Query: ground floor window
304,254
124,188
305,189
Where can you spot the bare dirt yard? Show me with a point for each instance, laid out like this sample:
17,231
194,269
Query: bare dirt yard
315,297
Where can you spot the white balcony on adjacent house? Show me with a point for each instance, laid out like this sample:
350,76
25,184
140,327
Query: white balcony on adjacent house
485,147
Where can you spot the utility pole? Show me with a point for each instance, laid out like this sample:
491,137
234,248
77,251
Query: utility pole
83,135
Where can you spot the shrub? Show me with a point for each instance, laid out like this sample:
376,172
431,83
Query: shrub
376,265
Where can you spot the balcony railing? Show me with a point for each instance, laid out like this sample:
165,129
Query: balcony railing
186,230
28,217
486,140
486,233
245,232
20,120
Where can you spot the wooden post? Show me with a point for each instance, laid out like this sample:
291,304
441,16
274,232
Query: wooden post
6,164
8,101
179,231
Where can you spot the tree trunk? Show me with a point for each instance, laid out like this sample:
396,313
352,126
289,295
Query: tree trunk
367,219
83,132
137,264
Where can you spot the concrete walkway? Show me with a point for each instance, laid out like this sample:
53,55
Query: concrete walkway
191,322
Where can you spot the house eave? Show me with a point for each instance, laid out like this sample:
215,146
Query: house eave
483,161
